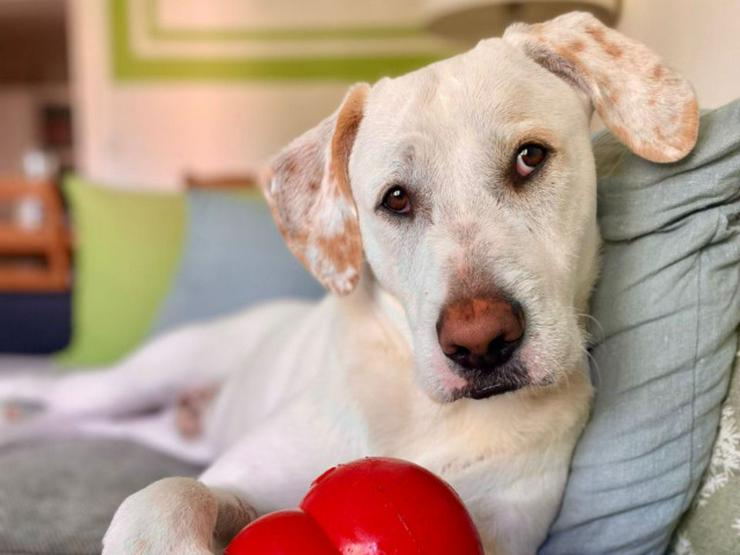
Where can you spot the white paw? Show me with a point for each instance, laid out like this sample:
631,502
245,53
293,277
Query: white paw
174,515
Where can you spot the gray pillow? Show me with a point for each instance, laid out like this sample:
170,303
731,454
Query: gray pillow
665,312
233,257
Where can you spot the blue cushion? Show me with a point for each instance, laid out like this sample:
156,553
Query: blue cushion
666,306
233,257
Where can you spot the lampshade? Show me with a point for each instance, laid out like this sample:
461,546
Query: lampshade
472,20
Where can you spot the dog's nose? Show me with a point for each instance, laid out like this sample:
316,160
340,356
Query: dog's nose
480,333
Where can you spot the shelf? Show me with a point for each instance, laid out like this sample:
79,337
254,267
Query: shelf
32,279
14,240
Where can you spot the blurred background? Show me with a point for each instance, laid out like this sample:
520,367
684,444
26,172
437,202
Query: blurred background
139,92
159,95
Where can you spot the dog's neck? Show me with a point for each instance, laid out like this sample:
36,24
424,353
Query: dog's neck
386,307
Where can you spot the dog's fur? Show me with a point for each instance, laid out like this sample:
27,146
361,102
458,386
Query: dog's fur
303,387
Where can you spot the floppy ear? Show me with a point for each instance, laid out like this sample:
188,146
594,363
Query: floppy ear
647,105
308,190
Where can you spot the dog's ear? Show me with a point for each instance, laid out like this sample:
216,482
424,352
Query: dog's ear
307,186
647,105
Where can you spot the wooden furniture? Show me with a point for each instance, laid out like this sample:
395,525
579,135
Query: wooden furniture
223,181
33,257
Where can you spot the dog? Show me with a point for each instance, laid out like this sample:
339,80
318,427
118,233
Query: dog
451,212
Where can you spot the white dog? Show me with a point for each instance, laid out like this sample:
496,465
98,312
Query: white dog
452,211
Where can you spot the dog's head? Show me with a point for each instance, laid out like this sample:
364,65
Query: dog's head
469,189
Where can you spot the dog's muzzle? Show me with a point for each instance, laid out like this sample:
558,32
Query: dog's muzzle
481,335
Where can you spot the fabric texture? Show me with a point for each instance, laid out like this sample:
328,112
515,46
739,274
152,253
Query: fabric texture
665,312
127,248
233,257
712,525
59,498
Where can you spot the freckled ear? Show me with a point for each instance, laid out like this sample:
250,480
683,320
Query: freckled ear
647,105
308,189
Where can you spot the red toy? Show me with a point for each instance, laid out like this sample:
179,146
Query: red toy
373,506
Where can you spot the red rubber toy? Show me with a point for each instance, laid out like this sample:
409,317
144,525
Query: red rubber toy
373,506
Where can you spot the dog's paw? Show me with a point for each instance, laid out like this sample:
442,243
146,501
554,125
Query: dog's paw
174,515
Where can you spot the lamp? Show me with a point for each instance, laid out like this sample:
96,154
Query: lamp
472,20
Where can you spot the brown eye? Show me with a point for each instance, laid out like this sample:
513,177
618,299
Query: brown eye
397,200
529,158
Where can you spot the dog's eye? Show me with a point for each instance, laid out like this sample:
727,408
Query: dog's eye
529,158
397,200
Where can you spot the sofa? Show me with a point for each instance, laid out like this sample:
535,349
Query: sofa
647,475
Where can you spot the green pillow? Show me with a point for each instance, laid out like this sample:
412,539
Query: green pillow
127,247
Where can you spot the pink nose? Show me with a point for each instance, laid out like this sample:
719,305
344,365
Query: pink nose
480,333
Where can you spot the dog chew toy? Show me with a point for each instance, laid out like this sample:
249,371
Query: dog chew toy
376,506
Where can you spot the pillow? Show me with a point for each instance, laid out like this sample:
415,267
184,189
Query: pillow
665,313
233,257
128,244
712,525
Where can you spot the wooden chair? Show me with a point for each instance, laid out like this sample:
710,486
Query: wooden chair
37,258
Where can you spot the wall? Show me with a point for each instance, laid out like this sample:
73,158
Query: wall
148,133
19,124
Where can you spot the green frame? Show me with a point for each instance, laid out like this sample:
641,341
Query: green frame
128,65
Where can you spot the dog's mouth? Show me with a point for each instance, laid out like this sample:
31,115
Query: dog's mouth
486,391
482,384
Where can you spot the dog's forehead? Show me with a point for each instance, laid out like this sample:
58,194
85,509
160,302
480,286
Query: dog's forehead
489,87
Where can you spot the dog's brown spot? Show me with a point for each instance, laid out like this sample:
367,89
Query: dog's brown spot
658,72
575,46
690,130
345,131
342,249
599,35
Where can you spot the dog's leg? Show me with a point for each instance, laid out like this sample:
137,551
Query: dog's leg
266,470
192,358
148,378
156,376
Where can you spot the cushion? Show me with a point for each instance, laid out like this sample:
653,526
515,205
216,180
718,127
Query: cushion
59,498
233,257
664,317
35,323
127,248
712,525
